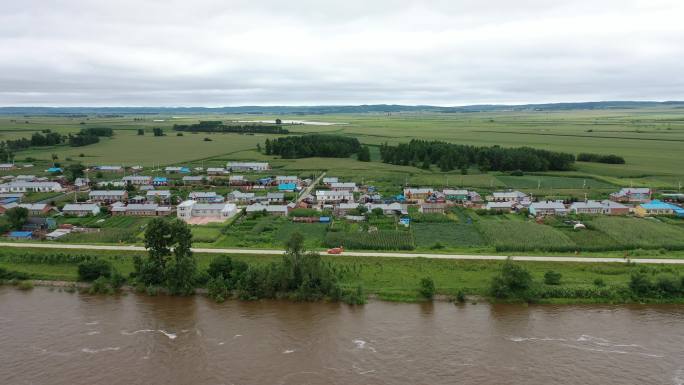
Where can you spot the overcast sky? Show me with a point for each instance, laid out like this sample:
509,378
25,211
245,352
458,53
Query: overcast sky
310,52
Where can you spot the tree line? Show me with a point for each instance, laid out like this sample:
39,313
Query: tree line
321,145
449,156
38,139
598,158
219,126
170,265
89,136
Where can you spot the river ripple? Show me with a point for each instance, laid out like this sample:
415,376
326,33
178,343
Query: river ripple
49,337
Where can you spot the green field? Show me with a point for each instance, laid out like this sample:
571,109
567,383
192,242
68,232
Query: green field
648,138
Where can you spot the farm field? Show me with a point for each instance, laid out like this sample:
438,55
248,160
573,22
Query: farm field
648,138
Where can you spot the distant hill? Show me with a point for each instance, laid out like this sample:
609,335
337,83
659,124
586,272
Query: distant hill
320,110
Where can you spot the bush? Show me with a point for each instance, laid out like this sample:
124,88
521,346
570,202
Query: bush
599,282
9,274
93,269
552,278
117,280
514,282
25,285
100,286
640,284
217,289
354,297
427,288
668,285
460,296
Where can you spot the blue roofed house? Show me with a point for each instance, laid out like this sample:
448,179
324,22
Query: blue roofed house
656,207
289,187
20,234
54,170
160,181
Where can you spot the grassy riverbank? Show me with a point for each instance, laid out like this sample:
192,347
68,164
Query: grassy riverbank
394,279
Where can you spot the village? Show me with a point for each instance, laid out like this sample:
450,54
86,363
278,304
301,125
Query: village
240,191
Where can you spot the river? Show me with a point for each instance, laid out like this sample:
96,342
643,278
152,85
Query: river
52,337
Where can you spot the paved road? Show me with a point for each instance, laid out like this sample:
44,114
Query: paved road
310,187
359,254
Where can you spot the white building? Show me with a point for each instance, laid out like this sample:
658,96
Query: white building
287,179
205,197
269,209
199,213
240,197
544,208
508,196
328,196
216,171
137,180
588,207
504,206
388,209
248,166
23,186
81,209
158,196
344,186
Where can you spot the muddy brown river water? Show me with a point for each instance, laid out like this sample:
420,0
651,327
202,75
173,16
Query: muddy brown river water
51,337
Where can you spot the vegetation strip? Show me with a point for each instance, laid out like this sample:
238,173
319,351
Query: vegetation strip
363,254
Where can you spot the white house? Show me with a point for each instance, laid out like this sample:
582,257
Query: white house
328,196
137,180
23,186
160,196
275,197
544,208
107,196
216,171
109,168
508,196
205,197
248,166
195,179
504,206
240,197
81,209
191,211
330,180
344,186
270,209
588,207
280,179
387,209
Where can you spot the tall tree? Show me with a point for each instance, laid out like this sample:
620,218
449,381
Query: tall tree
17,216
74,171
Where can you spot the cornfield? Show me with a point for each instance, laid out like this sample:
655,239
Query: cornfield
524,236
378,240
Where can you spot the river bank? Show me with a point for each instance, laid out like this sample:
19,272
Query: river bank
397,280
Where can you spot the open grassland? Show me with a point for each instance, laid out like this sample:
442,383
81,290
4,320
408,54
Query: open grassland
388,278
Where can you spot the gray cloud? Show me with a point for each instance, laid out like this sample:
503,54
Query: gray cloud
239,52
